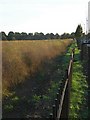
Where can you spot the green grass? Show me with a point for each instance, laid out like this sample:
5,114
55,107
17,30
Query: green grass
78,103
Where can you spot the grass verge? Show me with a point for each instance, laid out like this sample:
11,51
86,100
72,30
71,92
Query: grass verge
78,102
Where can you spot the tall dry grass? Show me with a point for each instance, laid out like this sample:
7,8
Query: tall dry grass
23,58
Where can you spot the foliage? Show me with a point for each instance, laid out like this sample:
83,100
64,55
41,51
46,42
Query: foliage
79,31
4,36
78,105
67,35
78,34
36,99
11,36
36,36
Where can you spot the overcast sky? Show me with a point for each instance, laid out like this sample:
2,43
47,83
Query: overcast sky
56,16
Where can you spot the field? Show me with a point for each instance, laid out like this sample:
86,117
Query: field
28,68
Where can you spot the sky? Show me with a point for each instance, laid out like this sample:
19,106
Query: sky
47,16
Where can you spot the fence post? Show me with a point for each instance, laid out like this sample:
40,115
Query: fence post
54,111
62,102
64,112
58,100
51,116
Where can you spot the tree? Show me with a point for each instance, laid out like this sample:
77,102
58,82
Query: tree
30,36
4,36
11,36
52,36
38,36
79,31
65,36
47,36
23,36
57,36
72,35
78,34
41,36
17,36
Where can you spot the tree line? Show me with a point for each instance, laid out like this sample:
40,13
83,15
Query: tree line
34,36
78,34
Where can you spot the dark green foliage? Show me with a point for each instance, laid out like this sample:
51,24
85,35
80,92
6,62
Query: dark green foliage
57,36
4,36
67,35
79,31
11,36
17,36
23,35
36,36
78,34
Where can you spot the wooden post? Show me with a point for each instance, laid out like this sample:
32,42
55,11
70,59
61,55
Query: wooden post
56,107
62,103
54,111
58,100
64,112
51,116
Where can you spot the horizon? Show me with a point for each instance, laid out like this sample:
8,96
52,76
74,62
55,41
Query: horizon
35,32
